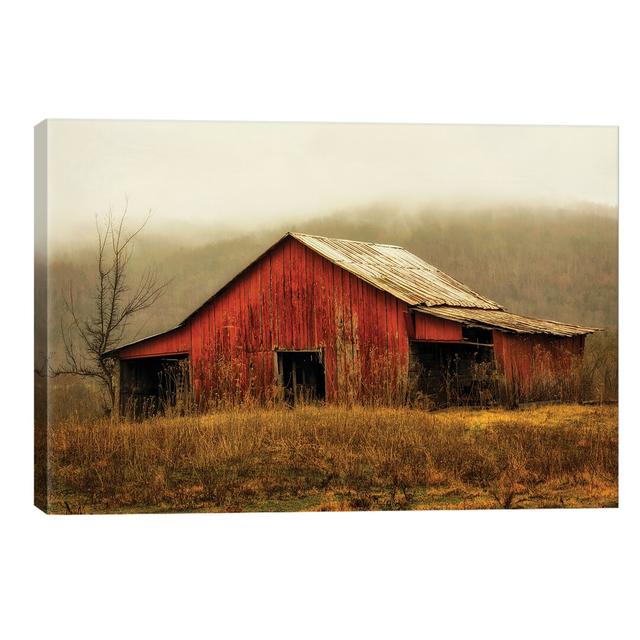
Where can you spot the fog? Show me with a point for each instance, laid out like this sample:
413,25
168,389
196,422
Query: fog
204,180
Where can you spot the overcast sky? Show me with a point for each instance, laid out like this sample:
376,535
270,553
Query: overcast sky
243,174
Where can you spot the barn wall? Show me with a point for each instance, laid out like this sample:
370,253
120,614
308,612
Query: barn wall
176,341
294,299
430,328
527,359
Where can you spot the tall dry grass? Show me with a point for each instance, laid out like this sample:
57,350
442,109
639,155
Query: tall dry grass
372,458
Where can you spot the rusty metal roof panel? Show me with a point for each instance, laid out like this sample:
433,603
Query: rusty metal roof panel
397,271
506,321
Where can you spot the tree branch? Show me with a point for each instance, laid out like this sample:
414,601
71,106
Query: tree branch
114,304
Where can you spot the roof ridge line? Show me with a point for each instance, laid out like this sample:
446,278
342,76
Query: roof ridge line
317,235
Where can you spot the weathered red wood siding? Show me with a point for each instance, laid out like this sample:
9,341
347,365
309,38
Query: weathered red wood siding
293,299
430,328
523,358
176,341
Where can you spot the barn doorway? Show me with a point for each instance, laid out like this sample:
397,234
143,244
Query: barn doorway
149,386
461,373
301,376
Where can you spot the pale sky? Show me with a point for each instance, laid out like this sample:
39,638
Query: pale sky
243,174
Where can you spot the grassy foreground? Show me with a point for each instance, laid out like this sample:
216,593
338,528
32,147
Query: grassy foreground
335,458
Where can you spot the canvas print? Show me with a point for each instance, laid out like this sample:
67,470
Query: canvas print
245,317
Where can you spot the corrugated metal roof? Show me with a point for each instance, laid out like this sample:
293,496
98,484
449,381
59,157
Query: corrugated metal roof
397,271
500,319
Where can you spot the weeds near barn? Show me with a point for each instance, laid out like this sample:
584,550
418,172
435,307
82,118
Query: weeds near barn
338,458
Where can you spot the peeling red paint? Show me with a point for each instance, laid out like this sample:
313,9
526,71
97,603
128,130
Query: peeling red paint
430,328
521,357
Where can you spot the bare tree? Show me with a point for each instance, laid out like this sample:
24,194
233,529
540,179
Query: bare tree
115,303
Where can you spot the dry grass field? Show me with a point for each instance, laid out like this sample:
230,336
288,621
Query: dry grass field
336,458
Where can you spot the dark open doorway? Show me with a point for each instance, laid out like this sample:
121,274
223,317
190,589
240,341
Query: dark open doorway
301,375
453,373
154,385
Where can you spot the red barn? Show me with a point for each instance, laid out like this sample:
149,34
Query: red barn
341,320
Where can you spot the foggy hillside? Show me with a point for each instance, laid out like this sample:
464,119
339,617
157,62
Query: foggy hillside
551,263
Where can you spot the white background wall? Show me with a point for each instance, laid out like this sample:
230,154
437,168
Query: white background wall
526,574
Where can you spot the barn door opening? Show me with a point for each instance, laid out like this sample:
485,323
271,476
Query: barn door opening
301,375
454,373
154,385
